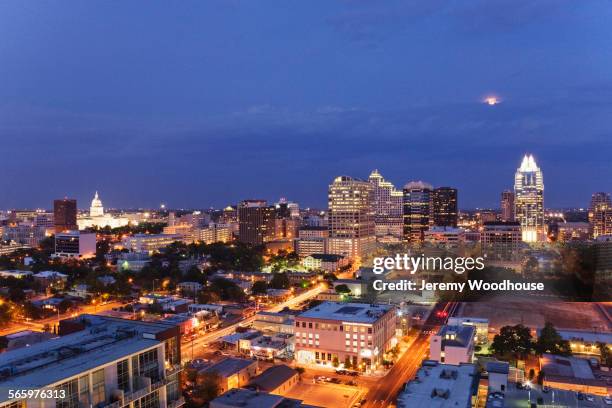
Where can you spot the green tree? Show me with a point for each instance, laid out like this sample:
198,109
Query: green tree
342,289
606,355
513,340
550,341
335,361
259,288
347,363
208,386
279,281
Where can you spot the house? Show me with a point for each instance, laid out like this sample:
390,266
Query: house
278,379
233,372
326,262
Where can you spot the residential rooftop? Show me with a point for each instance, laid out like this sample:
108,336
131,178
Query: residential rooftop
228,366
102,340
347,312
273,378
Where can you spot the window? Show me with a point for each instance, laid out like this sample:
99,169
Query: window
84,391
97,388
297,324
341,328
148,401
148,366
71,400
316,355
310,325
123,376
369,330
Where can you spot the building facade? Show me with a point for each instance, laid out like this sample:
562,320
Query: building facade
65,215
99,361
507,205
387,205
444,207
529,200
417,210
350,218
353,335
256,222
600,214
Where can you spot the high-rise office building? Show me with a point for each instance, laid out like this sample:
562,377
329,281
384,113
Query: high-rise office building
417,205
444,201
507,205
256,222
600,214
387,205
65,215
529,200
350,217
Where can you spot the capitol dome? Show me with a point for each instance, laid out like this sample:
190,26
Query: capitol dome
96,209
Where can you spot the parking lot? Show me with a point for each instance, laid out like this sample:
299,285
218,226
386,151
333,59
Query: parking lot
325,394
516,398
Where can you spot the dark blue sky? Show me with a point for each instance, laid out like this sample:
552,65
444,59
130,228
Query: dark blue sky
200,103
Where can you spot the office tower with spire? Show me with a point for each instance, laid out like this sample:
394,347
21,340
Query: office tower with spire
600,214
387,205
507,206
444,207
417,210
529,200
350,217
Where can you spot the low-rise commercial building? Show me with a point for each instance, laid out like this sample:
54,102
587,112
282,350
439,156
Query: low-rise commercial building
149,243
233,372
571,374
354,333
278,379
75,244
327,262
481,325
243,398
440,386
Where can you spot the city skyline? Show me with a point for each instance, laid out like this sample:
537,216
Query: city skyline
333,89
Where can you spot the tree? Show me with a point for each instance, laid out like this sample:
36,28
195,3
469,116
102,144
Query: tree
347,363
606,355
279,281
259,288
300,371
208,386
335,362
342,289
550,341
512,340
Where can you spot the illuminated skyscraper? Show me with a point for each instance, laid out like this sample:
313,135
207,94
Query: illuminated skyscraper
529,200
444,210
417,203
507,206
256,222
350,217
65,215
600,214
387,204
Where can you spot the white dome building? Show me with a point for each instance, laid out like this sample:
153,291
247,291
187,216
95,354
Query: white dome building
96,209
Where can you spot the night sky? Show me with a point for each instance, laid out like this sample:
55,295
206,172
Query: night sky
205,103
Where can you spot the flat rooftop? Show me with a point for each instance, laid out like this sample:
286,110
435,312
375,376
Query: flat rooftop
568,367
240,397
103,340
457,336
347,312
439,386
